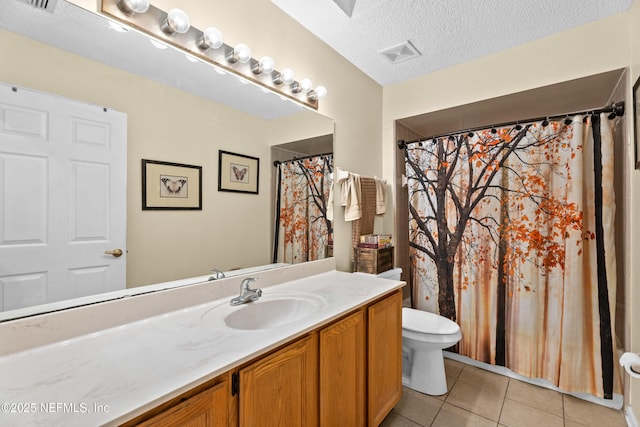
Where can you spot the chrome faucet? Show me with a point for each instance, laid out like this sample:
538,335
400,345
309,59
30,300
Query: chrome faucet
246,293
217,274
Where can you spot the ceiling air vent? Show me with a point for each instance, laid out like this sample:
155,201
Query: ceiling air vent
346,6
400,52
48,5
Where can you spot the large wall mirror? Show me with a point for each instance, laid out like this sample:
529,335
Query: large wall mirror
177,111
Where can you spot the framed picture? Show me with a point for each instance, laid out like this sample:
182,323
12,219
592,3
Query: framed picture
171,186
636,121
237,172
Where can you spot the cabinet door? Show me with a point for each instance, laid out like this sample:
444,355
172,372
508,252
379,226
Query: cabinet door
282,388
342,372
384,357
209,408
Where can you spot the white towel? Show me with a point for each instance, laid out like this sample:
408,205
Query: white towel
380,207
350,197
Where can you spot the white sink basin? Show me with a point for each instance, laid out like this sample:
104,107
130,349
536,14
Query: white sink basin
271,311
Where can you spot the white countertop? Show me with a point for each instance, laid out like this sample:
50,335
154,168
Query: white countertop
112,375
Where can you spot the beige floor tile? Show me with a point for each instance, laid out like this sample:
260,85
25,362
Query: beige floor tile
476,376
537,397
395,420
516,414
591,414
452,416
453,368
417,407
480,392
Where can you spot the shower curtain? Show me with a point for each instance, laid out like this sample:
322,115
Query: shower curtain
303,230
511,235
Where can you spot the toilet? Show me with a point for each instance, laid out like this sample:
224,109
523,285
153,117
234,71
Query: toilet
424,336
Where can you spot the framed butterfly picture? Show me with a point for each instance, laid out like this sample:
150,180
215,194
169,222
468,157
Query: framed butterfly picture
171,186
238,173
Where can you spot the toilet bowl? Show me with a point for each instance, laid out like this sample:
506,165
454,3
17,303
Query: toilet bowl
424,336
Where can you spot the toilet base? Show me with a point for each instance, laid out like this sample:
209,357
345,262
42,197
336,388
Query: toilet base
427,372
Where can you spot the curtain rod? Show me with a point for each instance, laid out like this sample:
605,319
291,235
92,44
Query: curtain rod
277,162
616,110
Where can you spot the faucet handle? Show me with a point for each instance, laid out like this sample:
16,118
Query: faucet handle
246,283
217,274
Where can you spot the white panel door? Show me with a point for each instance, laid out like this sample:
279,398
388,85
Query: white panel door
62,198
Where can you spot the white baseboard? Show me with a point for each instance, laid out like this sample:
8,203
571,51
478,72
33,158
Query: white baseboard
630,417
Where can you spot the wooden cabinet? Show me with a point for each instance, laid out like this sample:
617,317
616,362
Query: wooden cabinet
343,372
204,406
282,388
348,373
384,332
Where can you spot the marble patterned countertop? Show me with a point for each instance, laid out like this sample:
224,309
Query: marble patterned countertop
112,375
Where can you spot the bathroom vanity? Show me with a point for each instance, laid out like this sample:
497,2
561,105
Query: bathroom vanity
319,349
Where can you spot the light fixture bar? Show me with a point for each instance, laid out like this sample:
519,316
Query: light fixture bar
150,23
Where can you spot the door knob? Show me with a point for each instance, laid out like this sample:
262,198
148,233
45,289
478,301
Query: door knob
116,252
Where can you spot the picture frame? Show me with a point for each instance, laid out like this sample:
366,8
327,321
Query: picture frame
636,122
171,186
238,173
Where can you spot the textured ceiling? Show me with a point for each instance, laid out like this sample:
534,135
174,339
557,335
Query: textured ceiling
445,32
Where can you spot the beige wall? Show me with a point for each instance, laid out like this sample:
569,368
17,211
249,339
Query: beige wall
354,101
598,47
170,125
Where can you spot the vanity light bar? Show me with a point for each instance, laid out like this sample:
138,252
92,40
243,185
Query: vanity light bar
155,23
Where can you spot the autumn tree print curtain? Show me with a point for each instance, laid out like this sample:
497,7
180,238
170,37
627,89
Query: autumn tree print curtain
303,230
511,235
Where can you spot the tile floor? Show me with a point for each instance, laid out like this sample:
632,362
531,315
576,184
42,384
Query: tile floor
481,398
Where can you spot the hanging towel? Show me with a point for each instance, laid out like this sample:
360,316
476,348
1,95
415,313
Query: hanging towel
380,204
364,225
350,197
330,203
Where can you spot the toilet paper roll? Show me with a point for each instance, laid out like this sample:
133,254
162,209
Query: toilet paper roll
631,363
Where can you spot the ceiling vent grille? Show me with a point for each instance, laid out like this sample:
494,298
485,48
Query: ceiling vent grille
346,6
400,52
47,5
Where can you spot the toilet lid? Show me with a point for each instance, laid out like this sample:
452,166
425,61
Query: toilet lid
427,323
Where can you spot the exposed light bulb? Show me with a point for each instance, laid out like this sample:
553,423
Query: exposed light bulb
306,85
287,76
177,22
211,39
319,92
266,65
240,53
133,6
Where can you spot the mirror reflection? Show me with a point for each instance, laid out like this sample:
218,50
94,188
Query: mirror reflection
303,200
171,116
